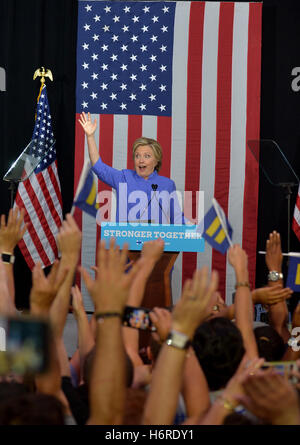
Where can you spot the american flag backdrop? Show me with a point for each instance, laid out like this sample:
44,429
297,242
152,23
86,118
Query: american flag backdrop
40,194
186,74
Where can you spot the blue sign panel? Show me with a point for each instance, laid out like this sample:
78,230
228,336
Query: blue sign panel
177,238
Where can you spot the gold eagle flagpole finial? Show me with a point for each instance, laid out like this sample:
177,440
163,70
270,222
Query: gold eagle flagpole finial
42,73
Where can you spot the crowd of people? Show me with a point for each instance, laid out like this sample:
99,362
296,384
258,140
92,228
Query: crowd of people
206,363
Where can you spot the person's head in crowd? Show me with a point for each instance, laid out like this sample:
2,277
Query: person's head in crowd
218,345
88,365
239,419
269,343
32,409
10,390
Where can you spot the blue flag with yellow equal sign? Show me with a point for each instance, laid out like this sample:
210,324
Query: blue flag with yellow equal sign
293,278
216,228
86,193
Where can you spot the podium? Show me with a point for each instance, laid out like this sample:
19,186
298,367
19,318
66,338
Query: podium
158,290
177,238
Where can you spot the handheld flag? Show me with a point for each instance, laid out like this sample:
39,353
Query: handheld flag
293,278
217,231
86,194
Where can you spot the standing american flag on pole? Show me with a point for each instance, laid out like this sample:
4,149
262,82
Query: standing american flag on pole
187,74
40,194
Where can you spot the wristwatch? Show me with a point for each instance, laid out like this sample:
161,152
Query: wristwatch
273,275
293,343
7,258
178,340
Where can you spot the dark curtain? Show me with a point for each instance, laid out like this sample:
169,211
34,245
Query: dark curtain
35,33
280,119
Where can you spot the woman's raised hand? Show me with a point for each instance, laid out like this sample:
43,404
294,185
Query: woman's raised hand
87,124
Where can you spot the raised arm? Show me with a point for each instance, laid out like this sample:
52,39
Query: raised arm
86,340
10,234
189,312
109,292
42,295
271,398
89,128
278,313
243,301
151,252
7,306
105,173
69,241
194,386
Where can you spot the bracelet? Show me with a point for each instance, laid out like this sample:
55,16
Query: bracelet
103,315
226,404
242,284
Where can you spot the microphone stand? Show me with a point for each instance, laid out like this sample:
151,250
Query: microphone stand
154,188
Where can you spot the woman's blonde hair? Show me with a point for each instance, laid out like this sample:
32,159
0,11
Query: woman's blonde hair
156,147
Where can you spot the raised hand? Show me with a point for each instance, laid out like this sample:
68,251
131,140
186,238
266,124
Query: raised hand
88,126
11,232
6,303
69,240
272,398
273,252
271,295
44,289
238,259
111,287
153,250
192,308
162,320
77,301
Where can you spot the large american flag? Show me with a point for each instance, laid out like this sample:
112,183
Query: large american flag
40,194
186,74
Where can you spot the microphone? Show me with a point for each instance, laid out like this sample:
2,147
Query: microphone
154,188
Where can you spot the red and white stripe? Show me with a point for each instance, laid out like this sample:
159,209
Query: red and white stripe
40,196
296,217
215,110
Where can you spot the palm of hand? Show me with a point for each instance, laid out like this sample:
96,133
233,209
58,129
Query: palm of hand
89,128
86,123
273,252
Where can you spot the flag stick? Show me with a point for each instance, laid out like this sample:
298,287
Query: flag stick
292,254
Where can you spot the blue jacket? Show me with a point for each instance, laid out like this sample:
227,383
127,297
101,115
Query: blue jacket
142,199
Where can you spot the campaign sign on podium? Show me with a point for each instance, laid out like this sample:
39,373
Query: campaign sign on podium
177,237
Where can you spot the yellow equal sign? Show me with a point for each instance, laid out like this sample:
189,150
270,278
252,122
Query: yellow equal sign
213,229
91,199
297,280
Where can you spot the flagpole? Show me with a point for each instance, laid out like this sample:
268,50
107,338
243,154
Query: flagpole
222,223
290,254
